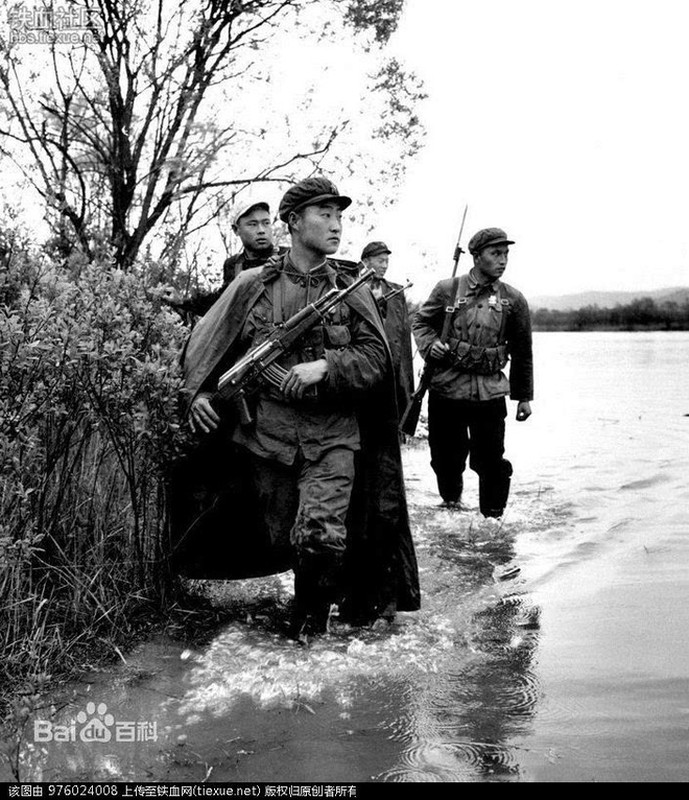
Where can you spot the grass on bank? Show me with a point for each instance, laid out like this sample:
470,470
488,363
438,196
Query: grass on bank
88,429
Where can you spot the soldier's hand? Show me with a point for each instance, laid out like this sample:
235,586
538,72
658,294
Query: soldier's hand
202,417
438,350
300,377
523,410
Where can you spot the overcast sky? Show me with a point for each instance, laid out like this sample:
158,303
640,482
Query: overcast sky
567,124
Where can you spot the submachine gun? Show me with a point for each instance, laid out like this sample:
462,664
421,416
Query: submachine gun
410,418
260,363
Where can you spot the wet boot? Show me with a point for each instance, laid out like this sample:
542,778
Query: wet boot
306,619
316,582
493,491
386,617
450,489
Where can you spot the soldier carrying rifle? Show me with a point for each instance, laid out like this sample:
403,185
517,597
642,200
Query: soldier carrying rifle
468,329
319,443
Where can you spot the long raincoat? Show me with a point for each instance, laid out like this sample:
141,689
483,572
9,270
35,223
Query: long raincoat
216,521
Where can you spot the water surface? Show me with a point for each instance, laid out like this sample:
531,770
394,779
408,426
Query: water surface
551,646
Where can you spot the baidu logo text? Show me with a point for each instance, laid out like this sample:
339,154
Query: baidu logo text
95,724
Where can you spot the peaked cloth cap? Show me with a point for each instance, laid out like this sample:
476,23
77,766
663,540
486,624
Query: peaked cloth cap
375,249
308,192
487,237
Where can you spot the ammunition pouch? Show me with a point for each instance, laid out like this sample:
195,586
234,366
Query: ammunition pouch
477,359
336,336
312,347
320,339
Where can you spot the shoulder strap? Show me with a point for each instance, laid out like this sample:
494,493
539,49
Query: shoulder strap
461,303
450,310
278,297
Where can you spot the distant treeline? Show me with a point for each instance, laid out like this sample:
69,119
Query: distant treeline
641,314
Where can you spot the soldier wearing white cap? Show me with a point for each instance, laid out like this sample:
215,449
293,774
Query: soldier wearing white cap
252,223
254,227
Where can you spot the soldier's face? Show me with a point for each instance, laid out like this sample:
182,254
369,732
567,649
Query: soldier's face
255,230
379,264
319,227
491,262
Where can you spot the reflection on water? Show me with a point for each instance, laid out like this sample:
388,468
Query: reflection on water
462,728
460,725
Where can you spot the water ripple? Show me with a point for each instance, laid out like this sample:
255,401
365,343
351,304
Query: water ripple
453,761
495,689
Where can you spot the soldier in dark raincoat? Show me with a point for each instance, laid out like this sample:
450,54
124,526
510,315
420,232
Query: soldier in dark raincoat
396,319
319,486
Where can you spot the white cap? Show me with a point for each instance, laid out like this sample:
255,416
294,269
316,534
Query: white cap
247,205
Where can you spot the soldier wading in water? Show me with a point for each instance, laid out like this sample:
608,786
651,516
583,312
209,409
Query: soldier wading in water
466,402
322,450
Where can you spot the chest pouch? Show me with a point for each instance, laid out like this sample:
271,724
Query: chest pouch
336,328
337,336
258,325
310,347
480,359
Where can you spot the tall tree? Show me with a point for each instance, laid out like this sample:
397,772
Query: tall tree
146,126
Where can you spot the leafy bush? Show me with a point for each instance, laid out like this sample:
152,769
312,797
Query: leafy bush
88,427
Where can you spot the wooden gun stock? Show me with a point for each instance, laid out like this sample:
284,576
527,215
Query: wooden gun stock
410,418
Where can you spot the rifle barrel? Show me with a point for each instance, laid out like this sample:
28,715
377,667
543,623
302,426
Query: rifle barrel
394,292
410,418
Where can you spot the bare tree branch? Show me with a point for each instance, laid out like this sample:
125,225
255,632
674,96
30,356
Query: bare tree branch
124,143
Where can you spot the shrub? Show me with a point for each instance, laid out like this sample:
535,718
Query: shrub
88,427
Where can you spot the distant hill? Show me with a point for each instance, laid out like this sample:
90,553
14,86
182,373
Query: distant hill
566,302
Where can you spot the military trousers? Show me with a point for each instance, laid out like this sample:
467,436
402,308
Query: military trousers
458,429
305,505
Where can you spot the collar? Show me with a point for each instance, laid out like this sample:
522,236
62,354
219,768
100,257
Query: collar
283,264
475,287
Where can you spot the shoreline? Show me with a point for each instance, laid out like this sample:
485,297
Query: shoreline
609,329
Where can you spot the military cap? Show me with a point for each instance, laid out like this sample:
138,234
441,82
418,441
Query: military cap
375,249
309,192
248,205
487,237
